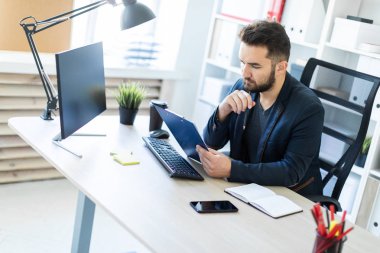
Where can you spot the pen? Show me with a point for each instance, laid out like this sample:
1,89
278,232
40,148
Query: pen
345,233
319,216
343,222
245,118
332,211
246,115
314,216
327,218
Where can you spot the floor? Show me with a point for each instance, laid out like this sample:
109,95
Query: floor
38,217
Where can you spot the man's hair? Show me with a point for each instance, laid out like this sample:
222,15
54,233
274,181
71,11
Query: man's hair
270,35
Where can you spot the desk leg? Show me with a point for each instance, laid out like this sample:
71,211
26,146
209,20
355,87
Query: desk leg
84,219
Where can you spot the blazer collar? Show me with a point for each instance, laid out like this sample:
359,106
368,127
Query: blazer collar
277,110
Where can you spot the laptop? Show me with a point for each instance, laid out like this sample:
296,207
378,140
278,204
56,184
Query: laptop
184,131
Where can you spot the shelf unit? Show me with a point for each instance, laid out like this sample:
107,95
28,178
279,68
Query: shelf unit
221,61
375,173
352,50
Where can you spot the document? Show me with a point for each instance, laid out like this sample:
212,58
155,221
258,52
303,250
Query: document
264,199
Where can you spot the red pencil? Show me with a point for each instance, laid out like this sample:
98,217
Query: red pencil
344,215
345,233
332,211
343,221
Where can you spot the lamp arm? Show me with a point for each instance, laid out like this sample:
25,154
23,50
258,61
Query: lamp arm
50,91
31,28
53,21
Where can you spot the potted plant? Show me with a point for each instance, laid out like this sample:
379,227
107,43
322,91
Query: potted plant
362,156
129,97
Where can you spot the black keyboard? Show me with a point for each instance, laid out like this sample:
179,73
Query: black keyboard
173,162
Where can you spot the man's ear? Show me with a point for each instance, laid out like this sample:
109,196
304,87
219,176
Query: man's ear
282,66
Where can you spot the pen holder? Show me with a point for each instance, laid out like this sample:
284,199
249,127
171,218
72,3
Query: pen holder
328,245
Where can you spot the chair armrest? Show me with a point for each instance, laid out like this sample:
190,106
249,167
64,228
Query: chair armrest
326,201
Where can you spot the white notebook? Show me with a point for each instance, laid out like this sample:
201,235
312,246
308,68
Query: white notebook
264,199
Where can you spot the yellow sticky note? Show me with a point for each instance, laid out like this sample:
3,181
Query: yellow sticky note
125,158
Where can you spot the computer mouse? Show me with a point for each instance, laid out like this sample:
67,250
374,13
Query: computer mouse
160,134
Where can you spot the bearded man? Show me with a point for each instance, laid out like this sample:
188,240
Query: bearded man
272,122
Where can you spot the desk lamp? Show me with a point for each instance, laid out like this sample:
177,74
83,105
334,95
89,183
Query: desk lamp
133,14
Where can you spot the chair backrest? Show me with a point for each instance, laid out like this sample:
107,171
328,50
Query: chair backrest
347,96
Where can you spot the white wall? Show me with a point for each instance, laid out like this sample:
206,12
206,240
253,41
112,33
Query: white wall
190,55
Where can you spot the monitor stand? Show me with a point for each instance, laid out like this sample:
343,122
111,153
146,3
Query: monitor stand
57,141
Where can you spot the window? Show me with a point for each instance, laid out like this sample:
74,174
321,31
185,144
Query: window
152,44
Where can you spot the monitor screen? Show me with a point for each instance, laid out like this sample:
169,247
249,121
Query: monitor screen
81,86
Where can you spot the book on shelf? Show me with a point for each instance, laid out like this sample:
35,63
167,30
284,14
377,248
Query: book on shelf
275,11
243,10
264,199
306,25
225,43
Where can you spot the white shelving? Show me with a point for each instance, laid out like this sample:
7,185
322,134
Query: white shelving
375,173
206,101
305,44
358,170
315,42
229,19
353,50
224,66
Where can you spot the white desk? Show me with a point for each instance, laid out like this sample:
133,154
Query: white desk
155,208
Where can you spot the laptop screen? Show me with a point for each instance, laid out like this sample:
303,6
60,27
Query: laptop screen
184,132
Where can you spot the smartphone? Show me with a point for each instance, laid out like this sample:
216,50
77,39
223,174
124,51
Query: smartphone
219,206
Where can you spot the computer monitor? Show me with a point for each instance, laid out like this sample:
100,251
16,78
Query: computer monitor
81,87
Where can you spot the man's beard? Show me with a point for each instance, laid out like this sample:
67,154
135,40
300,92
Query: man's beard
252,86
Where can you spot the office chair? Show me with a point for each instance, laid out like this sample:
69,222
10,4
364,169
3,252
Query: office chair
347,96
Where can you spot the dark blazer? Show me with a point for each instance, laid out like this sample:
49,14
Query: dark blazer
289,148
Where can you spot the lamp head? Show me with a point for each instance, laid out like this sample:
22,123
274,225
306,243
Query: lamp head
135,14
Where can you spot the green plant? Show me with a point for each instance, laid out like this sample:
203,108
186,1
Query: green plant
366,144
130,95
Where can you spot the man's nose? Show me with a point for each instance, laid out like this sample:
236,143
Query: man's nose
245,70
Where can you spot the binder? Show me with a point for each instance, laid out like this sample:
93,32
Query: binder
303,20
243,10
224,42
275,11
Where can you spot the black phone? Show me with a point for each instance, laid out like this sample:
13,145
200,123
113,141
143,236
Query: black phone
218,206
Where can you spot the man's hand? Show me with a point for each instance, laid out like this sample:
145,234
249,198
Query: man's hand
214,163
237,102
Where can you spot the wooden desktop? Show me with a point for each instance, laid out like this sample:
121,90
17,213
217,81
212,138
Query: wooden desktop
154,207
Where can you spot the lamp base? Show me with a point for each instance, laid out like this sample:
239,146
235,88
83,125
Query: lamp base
46,115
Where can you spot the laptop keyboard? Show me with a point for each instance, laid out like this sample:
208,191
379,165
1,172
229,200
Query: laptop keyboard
174,163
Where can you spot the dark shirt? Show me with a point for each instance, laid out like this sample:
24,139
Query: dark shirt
256,123
286,153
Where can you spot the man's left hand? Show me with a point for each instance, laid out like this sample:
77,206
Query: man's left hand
215,164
